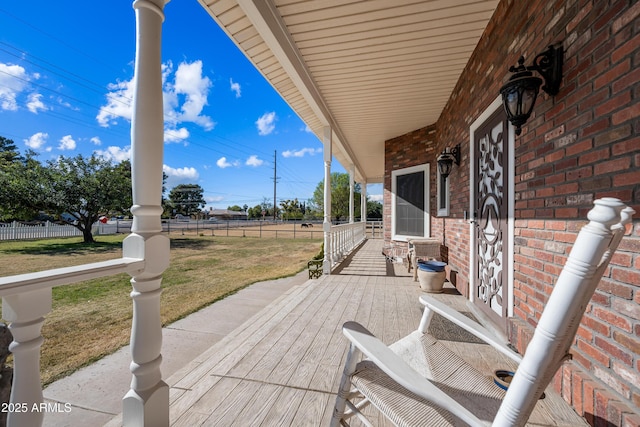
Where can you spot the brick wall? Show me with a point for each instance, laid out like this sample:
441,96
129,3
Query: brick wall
412,149
578,146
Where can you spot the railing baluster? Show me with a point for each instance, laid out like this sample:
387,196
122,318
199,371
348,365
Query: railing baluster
25,312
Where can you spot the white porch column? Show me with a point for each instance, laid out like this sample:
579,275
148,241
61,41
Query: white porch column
352,186
363,202
326,225
147,402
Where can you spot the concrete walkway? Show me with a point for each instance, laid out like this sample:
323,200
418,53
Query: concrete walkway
94,394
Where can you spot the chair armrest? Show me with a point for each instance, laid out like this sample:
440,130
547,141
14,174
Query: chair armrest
470,326
403,374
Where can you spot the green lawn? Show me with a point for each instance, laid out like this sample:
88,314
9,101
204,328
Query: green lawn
92,319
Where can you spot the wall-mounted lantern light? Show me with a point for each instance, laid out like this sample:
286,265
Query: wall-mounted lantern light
520,92
447,158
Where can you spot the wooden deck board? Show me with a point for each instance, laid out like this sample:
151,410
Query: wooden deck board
283,366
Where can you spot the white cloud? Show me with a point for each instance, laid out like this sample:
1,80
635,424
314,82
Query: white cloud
176,135
214,199
115,154
254,161
184,99
96,140
302,152
176,176
223,163
35,103
37,141
375,197
182,173
190,82
266,123
13,80
235,87
67,143
308,129
118,104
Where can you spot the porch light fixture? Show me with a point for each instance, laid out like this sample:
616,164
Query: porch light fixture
520,92
447,158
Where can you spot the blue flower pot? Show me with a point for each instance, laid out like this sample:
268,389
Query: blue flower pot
431,266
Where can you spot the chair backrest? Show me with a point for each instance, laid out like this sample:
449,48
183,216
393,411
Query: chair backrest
556,330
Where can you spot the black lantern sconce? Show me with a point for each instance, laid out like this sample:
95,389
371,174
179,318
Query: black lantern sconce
447,158
520,92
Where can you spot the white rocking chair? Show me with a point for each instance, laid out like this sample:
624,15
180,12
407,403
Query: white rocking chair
419,382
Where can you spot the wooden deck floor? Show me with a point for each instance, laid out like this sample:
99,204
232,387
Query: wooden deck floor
282,368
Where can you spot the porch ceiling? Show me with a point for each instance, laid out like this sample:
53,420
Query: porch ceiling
372,70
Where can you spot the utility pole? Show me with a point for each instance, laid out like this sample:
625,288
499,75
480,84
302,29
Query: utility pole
275,181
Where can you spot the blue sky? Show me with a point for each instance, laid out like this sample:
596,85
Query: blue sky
65,89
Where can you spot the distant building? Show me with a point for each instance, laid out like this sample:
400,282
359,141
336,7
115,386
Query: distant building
225,214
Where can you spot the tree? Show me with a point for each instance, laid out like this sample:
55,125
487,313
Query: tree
76,190
85,188
254,212
187,199
339,196
8,151
374,209
291,209
234,208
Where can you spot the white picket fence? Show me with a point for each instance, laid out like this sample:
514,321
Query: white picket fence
18,231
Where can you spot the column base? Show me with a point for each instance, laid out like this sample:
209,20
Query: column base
149,408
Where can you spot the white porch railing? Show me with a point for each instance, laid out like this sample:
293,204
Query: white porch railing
26,300
17,231
344,238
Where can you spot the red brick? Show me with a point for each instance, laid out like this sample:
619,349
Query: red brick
627,114
566,213
622,259
589,391
600,299
627,80
614,351
611,166
626,308
611,75
629,419
595,99
566,384
601,403
576,380
615,410
612,104
628,146
595,127
626,49
613,319
596,325
631,277
593,352
593,156
580,173
624,179
567,188
612,135
627,17
580,147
